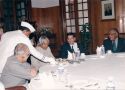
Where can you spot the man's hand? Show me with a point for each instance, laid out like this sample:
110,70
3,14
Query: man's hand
33,72
51,60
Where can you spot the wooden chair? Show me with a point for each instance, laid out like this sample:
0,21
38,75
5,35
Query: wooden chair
16,88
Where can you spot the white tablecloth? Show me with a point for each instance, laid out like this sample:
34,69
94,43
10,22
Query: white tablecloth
94,70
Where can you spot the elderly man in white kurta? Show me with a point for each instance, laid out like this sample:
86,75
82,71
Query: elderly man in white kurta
10,39
42,47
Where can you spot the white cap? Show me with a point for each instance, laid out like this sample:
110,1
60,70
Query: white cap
27,25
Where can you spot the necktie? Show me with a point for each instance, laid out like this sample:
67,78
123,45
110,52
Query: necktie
72,48
114,46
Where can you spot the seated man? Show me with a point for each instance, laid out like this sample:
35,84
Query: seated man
114,42
17,71
71,45
43,48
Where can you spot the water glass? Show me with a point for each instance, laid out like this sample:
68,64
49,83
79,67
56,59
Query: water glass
77,55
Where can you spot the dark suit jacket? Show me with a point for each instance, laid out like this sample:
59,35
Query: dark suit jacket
120,46
66,47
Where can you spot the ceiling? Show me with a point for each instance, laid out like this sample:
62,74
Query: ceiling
44,3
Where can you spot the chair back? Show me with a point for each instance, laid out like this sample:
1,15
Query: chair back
16,88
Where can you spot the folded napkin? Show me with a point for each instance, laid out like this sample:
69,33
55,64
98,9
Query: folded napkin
82,56
70,56
98,50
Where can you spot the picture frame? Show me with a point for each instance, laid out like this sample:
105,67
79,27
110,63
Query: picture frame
108,9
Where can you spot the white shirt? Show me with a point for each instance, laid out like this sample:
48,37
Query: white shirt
75,47
8,43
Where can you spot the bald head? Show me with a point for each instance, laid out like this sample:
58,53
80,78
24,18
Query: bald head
22,52
21,49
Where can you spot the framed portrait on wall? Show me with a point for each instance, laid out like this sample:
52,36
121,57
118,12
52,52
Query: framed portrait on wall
108,9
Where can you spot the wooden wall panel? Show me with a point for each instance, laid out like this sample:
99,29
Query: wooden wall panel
49,17
101,27
37,15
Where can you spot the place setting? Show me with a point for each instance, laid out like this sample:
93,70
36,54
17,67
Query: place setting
83,84
75,57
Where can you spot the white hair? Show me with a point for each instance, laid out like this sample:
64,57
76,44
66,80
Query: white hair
42,39
21,49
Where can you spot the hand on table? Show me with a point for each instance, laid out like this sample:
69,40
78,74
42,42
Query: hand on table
51,60
33,72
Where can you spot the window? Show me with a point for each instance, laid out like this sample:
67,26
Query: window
8,15
76,14
21,9
14,11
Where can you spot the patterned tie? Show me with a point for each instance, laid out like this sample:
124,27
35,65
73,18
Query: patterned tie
114,46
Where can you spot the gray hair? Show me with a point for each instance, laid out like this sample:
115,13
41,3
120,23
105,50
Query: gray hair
42,39
21,49
115,30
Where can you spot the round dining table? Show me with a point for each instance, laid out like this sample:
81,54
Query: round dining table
92,72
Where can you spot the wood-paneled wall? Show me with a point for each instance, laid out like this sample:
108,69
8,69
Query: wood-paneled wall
101,27
49,17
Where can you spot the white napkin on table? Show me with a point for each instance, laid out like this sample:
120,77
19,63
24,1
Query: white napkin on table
82,56
98,51
70,56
